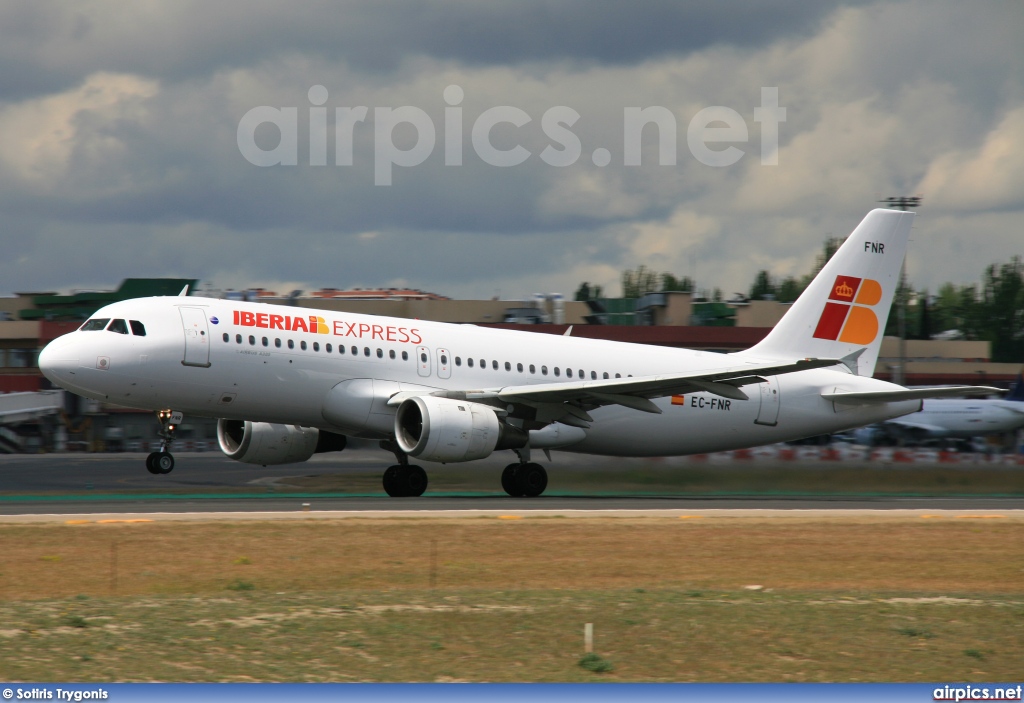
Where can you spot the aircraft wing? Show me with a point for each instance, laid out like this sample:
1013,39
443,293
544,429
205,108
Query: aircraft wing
920,427
566,402
872,397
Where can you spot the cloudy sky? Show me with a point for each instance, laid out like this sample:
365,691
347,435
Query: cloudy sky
120,140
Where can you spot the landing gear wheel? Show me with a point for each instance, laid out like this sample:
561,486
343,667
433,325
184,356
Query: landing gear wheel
414,481
531,480
508,480
405,481
163,463
390,481
151,463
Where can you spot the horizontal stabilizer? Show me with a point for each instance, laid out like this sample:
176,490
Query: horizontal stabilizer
872,397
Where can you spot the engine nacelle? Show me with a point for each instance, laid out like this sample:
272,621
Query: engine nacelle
446,430
266,443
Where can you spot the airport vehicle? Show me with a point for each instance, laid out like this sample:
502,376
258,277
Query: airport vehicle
288,382
942,419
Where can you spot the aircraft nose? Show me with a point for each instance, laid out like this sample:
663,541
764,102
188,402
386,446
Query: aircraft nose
58,361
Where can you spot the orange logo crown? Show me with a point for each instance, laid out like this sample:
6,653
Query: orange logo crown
844,290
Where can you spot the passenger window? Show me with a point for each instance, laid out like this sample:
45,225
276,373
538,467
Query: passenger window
533,369
582,374
483,363
94,325
266,342
606,374
618,375
469,362
391,353
458,361
227,337
568,373
291,344
508,366
366,351
405,356
423,357
302,345
138,329
380,353
252,341
355,351
494,364
238,339
444,359
557,373
119,326
544,370
341,348
316,346
328,348
277,342
593,375
519,368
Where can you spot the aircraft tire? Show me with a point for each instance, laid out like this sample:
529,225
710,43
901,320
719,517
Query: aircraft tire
531,480
390,481
508,480
414,481
151,463
163,462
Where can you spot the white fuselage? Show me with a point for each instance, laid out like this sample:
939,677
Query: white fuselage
954,417
246,364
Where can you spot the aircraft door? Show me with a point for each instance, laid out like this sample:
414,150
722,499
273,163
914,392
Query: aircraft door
423,361
770,401
444,364
197,337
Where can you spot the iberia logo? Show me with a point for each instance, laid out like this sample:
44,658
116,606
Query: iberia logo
850,318
314,323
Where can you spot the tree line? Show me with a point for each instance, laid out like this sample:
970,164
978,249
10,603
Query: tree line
991,310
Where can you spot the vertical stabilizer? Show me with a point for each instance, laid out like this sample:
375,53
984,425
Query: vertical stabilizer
842,313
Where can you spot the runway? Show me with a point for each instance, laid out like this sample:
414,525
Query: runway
349,483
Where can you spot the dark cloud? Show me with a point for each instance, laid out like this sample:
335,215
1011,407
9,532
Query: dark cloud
49,46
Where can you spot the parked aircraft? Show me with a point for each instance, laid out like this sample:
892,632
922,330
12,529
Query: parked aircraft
951,418
288,382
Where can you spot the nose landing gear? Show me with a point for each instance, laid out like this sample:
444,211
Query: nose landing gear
162,462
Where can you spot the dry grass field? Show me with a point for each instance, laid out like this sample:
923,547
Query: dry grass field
491,599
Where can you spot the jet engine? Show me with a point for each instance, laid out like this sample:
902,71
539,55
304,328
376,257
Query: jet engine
267,443
446,430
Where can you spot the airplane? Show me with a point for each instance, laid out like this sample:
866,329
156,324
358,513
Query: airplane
287,382
952,418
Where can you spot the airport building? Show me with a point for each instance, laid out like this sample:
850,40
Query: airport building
28,321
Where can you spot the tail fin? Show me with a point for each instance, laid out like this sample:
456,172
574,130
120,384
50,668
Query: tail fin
1017,392
842,313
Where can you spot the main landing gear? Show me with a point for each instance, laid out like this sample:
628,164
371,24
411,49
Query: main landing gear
525,479
162,462
403,480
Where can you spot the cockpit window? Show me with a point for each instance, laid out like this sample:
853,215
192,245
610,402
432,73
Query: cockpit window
138,329
119,326
94,325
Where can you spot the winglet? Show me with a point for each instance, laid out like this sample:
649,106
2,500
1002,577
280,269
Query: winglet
184,291
568,332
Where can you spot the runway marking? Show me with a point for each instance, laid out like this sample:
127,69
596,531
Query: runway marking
691,517
510,517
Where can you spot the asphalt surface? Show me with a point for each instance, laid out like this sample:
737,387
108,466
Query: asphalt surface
211,483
